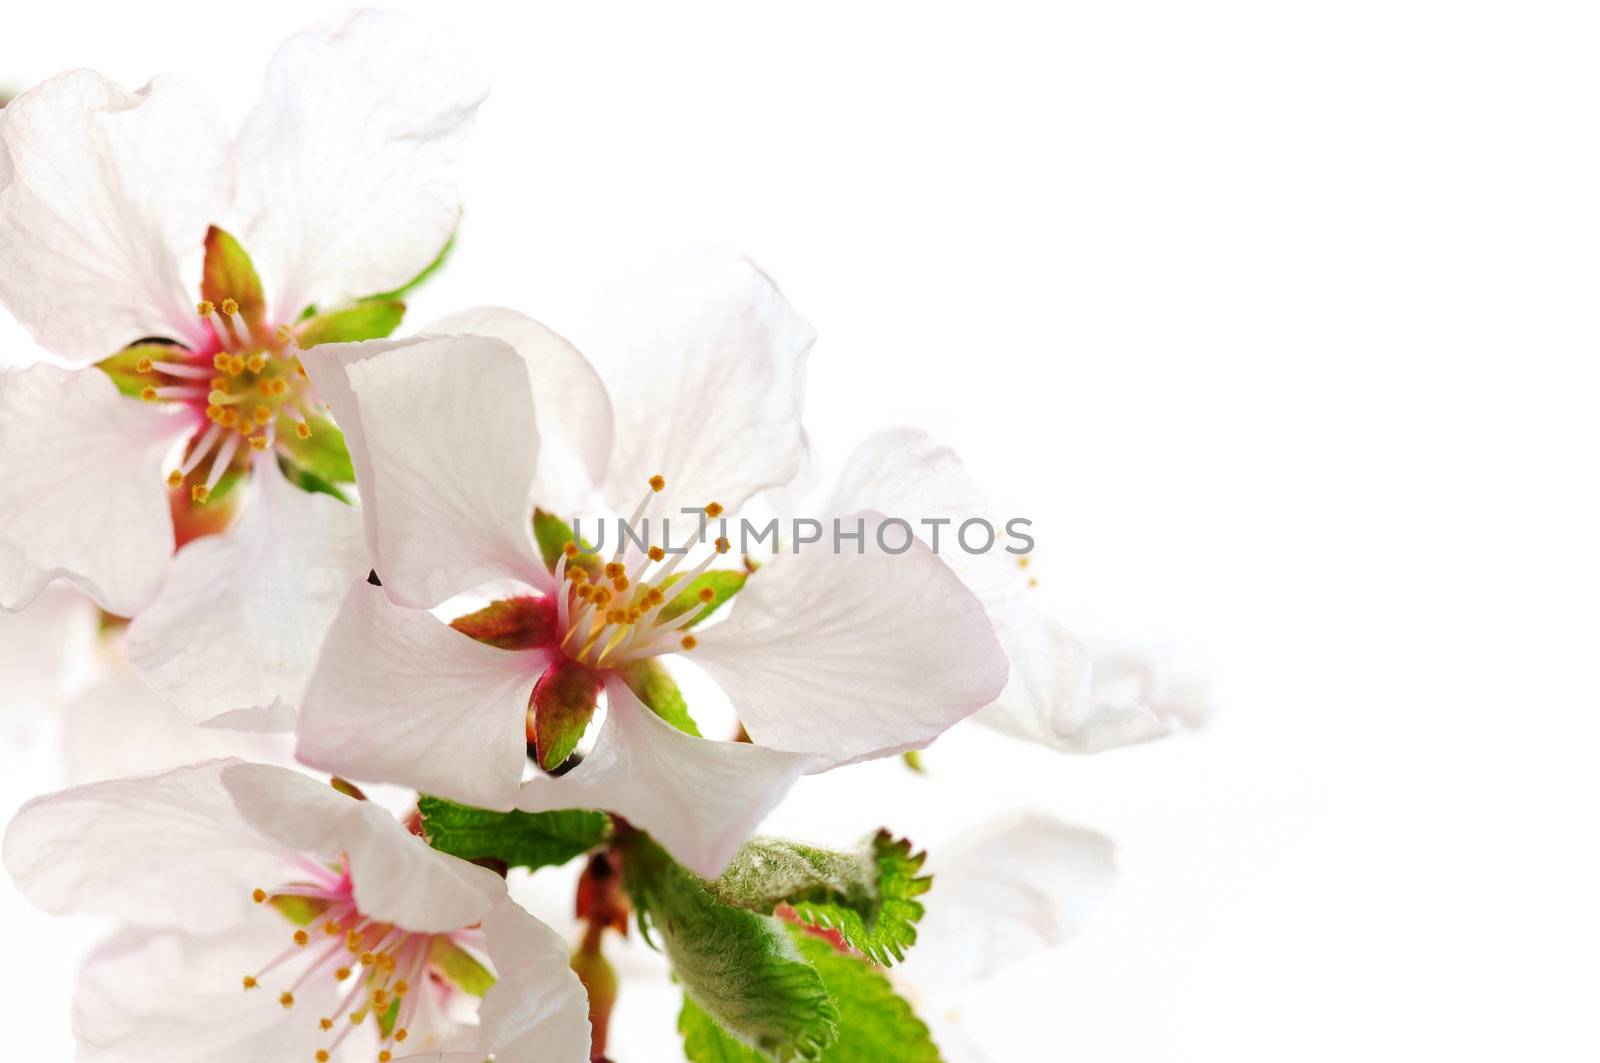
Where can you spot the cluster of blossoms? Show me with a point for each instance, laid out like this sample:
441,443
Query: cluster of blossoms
364,542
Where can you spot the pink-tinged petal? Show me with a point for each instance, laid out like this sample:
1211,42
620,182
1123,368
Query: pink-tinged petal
705,363
537,1010
43,645
445,443
165,850
1008,891
699,798
400,697
103,192
851,656
573,410
82,492
398,878
347,167
234,632
1065,696
172,996
121,727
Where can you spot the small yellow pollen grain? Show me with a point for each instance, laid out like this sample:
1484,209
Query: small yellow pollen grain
286,999
658,483
690,642
249,982
322,1053
723,546
148,393
145,365
200,493
204,307
174,478
302,430
714,510
256,362
259,442
401,1034
236,365
263,414
342,973
570,549
259,896
230,306
301,937
326,1024
220,361
656,553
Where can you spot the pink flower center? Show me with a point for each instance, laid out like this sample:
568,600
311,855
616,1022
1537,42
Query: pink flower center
380,971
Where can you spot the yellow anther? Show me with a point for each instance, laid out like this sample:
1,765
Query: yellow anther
401,988
220,361
380,999
322,1053
213,412
723,546
656,553
326,1023
302,430
236,365
174,478
367,958
386,961
614,569
352,941
230,306
577,575
200,493
634,614
220,383
690,642
357,1016
585,591
620,583
1022,562
301,937
330,928
249,982
148,393
230,417
602,596
714,510
145,365
204,307
654,597
570,549
1033,581
658,483
259,442
259,896
277,386
385,1056
614,616
342,973
706,594
263,414
400,1034
256,362
286,999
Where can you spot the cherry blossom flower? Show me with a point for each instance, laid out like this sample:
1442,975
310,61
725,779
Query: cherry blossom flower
1061,692
269,917
827,658
339,185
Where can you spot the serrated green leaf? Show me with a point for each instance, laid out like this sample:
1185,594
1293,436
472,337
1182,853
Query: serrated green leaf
876,1025
370,319
228,273
122,366
519,839
652,684
323,453
723,584
741,968
868,896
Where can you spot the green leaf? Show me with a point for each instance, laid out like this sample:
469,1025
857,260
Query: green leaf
652,684
460,967
876,1025
519,839
741,968
323,453
122,367
229,274
370,319
723,584
427,271
868,896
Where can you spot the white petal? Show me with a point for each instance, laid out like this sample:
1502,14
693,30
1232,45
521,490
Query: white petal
347,167
166,850
398,878
698,798
705,363
1069,699
42,646
1011,889
82,493
398,696
445,443
573,410
851,656
236,627
167,995
120,727
102,191
537,1009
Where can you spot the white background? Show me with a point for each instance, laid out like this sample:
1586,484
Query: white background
1279,320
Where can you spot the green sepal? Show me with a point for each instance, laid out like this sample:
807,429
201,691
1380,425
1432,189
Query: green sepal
298,910
427,271
521,623
869,896
563,703
740,967
876,1025
517,839
370,319
553,534
228,273
122,367
460,967
306,480
324,454
652,684
724,584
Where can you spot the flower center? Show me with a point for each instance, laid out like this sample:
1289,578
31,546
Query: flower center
613,614
379,970
251,389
